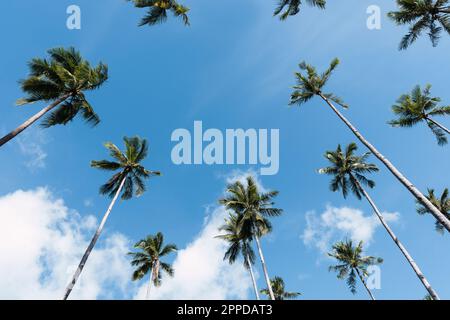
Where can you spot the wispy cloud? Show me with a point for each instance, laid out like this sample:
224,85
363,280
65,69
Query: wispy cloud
31,145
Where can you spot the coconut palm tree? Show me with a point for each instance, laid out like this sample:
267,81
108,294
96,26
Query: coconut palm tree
442,203
158,9
254,209
148,259
348,171
279,290
432,16
419,106
310,84
127,182
62,80
352,264
292,7
239,243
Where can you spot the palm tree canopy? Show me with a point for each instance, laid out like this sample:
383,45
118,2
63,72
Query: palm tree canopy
157,12
151,250
279,292
311,83
64,74
292,7
442,203
129,164
419,106
348,170
430,15
351,261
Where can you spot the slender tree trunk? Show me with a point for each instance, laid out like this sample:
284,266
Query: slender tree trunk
439,125
408,257
147,297
434,211
31,120
365,284
250,269
263,263
92,243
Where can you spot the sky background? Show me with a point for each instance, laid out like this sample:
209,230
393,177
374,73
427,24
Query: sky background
232,68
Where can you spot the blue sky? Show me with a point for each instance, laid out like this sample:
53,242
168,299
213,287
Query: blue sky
233,68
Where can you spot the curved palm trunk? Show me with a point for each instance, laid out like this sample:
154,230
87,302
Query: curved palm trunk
408,257
365,284
92,243
439,125
250,269
434,211
263,263
147,296
31,120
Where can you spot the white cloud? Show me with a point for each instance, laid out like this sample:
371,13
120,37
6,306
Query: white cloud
31,146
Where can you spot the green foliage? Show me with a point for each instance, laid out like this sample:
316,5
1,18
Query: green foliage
292,7
157,12
442,204
278,287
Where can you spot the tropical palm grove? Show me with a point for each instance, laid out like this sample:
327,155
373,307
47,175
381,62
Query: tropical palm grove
61,84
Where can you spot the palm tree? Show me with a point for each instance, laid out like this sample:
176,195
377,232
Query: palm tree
311,84
128,181
279,290
421,15
348,173
62,79
148,259
293,7
254,209
419,106
239,243
352,264
442,203
157,12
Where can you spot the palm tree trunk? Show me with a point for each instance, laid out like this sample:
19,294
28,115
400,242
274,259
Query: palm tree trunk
408,257
263,263
439,125
92,243
147,297
31,120
434,211
365,285
250,269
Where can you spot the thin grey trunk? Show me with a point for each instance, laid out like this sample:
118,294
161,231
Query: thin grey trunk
439,125
434,211
250,269
365,284
263,263
408,257
147,297
31,120
93,242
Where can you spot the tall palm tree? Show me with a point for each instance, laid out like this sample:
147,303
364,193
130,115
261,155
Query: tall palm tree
311,84
348,172
279,290
157,12
352,264
442,203
430,15
239,243
148,259
128,181
254,208
419,106
292,7
62,79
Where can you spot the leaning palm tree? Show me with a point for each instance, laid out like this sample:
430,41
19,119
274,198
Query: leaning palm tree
62,80
432,16
311,84
158,9
352,264
128,181
348,171
419,106
239,243
292,7
148,259
279,290
442,203
254,208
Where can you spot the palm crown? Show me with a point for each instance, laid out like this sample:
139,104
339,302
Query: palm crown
129,164
157,12
421,15
348,170
420,106
351,262
278,288
292,7
64,75
442,203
